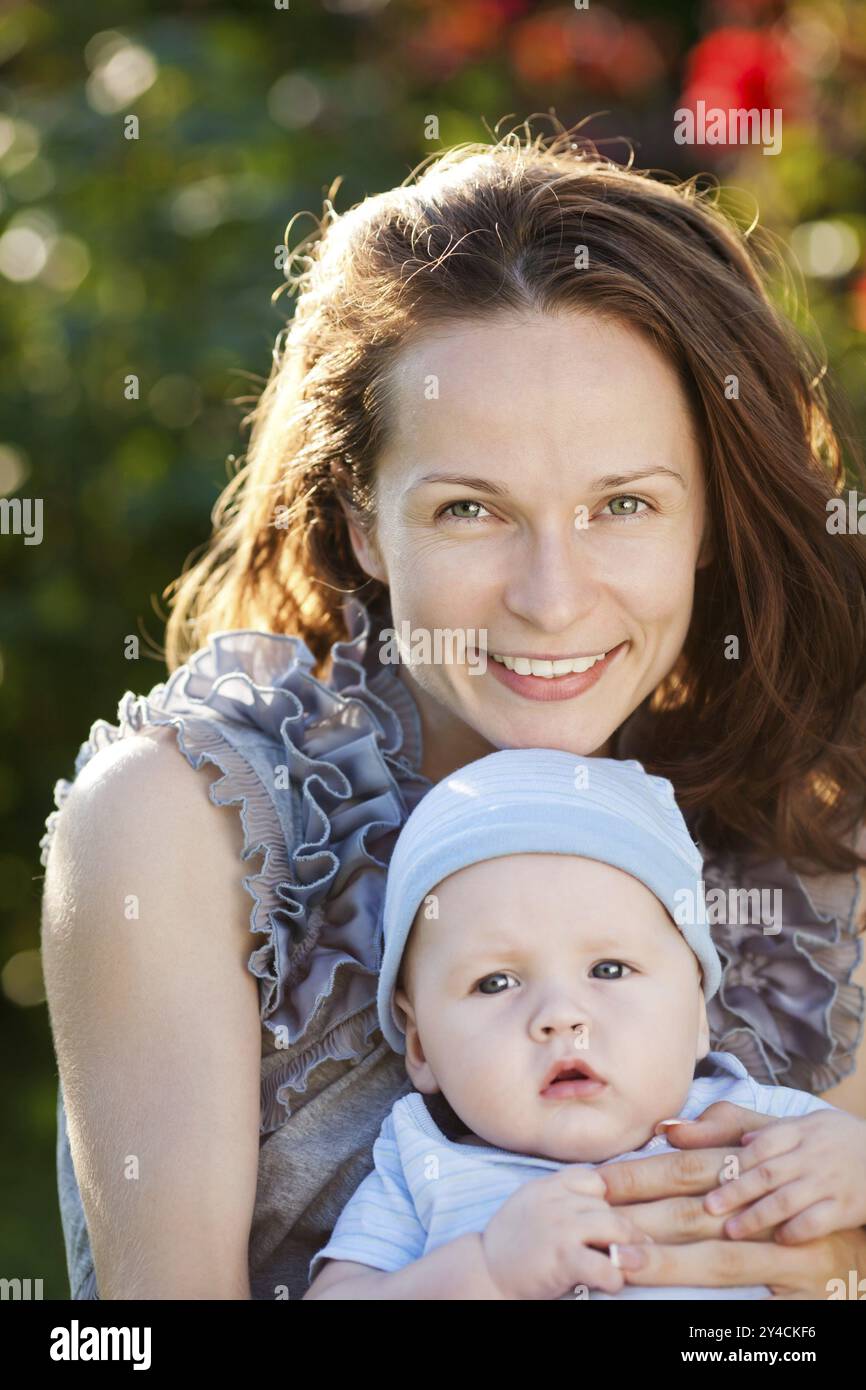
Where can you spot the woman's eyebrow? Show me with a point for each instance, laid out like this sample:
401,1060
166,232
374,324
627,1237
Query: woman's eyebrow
607,480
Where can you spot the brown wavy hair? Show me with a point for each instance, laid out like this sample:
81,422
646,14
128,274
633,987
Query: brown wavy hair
769,748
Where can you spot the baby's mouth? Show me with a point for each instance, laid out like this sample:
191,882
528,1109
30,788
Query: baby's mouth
568,1080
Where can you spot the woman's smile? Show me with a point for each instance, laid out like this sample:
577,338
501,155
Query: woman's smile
564,687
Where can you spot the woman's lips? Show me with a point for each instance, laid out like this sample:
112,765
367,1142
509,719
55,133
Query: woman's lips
554,687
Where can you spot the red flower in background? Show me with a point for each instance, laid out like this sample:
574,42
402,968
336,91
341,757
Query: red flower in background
744,68
458,31
542,49
595,47
510,9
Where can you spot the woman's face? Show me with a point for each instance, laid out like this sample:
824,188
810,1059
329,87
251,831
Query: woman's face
565,520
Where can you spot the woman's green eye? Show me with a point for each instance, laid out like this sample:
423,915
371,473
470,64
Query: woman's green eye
446,511
632,504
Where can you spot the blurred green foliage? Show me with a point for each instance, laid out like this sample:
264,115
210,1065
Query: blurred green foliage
155,256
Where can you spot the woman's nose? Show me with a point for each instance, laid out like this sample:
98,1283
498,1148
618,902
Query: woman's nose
551,585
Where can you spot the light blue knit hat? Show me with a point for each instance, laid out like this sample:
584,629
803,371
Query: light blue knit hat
544,800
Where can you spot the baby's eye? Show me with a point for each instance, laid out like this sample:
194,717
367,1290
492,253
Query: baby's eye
608,966
496,982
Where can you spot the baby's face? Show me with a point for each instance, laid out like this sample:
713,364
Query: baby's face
537,959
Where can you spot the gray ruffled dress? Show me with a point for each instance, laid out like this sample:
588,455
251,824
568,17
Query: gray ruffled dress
323,775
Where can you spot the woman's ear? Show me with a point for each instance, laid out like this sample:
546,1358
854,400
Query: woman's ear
363,545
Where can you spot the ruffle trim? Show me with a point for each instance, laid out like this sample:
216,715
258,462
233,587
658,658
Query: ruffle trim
785,1006
323,768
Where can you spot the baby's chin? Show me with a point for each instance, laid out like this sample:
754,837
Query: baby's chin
580,1139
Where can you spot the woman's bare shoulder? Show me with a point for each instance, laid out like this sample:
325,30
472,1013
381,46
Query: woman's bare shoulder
144,783
138,817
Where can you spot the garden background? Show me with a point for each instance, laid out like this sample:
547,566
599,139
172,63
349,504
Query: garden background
156,256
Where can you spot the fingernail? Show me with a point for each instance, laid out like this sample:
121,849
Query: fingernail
664,1124
627,1256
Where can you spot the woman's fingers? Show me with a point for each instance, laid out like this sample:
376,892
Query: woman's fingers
664,1175
671,1220
713,1264
801,1271
674,1220
720,1123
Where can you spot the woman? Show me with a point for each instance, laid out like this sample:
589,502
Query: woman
584,360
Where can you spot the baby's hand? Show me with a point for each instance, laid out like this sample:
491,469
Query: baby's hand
537,1245
808,1173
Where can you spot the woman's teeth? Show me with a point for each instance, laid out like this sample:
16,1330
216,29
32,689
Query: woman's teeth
525,666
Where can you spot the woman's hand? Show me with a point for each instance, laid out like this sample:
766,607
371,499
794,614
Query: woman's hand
665,1194
805,1172
790,1272
666,1191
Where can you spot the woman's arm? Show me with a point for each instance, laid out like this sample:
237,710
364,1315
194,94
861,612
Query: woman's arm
155,1018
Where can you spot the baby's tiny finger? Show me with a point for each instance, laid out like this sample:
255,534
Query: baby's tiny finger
597,1271
780,1205
753,1182
604,1228
770,1142
638,1232
577,1177
815,1222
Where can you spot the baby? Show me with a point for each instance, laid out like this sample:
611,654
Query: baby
547,948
